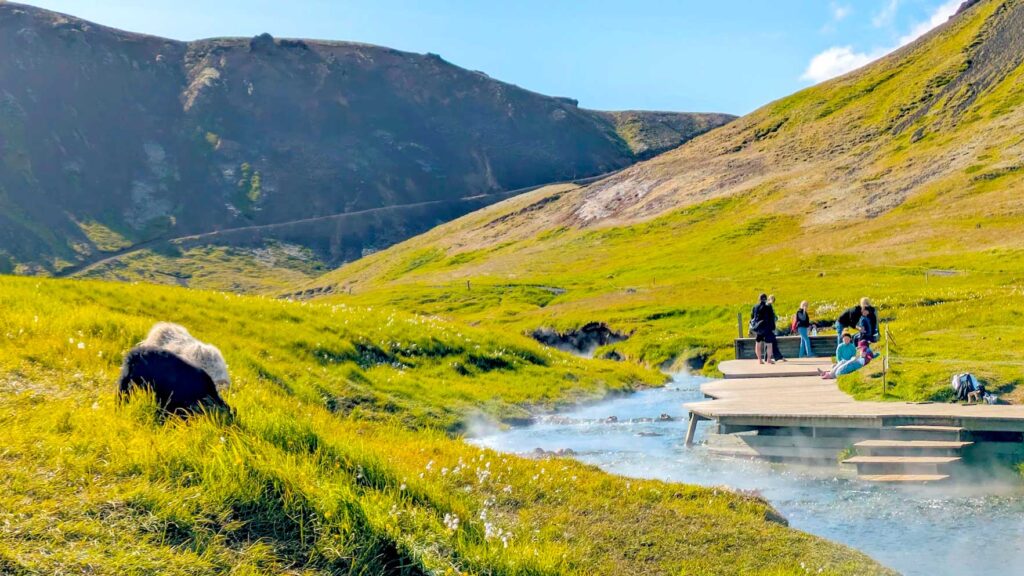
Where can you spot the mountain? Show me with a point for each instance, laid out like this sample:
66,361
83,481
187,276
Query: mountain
109,139
902,180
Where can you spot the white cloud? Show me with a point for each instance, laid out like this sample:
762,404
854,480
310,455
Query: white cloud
839,60
939,17
887,14
835,61
839,11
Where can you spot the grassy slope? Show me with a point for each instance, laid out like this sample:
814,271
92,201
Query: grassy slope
338,461
859,186
271,268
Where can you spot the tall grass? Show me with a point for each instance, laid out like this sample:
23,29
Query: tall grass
344,457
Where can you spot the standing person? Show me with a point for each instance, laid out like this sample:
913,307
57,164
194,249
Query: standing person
776,351
851,318
762,324
868,324
802,321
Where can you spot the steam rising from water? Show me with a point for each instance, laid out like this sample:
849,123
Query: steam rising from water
974,529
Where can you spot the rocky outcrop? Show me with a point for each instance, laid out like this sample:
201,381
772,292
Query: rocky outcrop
582,341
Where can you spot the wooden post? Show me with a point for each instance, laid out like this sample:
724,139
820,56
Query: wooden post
885,362
468,286
691,429
739,324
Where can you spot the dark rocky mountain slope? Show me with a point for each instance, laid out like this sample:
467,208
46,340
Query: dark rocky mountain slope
109,139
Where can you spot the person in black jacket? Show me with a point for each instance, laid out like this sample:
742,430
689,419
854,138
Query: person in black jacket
762,324
776,351
851,318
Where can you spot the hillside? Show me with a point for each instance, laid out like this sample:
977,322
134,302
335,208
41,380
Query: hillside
901,181
338,461
109,139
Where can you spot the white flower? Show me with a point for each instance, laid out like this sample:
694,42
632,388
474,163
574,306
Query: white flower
81,345
451,522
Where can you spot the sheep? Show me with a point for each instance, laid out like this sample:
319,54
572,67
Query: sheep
177,339
179,387
209,358
164,334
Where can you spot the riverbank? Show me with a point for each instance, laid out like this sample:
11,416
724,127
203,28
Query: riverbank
922,531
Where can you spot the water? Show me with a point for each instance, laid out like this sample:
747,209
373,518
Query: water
923,530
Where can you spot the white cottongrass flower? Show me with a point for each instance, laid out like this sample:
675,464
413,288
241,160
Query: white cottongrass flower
451,522
81,345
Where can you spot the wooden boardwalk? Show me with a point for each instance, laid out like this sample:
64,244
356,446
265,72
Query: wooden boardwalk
786,412
791,393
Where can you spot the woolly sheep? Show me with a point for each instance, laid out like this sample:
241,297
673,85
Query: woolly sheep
209,358
164,334
179,386
177,339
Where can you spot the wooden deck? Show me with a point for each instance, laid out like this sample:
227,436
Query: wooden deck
786,412
791,394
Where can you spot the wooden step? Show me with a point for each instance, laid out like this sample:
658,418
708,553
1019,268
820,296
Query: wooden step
910,447
929,428
883,465
902,460
905,478
921,432
923,444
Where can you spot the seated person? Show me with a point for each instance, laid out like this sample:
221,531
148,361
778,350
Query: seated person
976,392
844,352
864,357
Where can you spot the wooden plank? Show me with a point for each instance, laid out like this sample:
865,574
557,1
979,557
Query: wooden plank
902,460
930,428
907,478
938,444
821,346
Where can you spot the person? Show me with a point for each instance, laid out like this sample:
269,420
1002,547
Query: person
844,352
851,318
762,324
802,321
776,351
864,357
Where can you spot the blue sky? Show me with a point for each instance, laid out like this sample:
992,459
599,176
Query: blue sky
723,55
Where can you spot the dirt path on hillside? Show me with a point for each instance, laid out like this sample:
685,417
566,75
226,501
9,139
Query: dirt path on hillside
497,196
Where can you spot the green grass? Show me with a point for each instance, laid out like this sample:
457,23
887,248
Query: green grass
679,281
344,456
826,195
270,268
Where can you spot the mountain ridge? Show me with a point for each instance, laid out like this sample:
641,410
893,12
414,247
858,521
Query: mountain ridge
132,137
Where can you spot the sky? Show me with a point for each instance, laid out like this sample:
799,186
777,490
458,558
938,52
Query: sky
683,55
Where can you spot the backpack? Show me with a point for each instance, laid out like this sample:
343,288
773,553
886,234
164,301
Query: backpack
755,318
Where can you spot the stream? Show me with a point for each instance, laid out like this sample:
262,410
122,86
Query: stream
954,530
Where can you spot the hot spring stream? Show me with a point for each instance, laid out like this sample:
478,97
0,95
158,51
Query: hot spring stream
926,531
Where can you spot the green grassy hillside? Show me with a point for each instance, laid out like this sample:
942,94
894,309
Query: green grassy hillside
900,181
341,459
